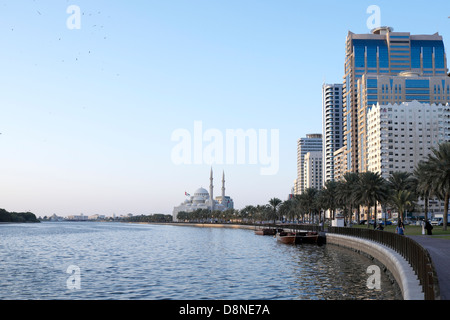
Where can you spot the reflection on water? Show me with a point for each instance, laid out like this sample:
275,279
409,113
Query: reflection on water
131,261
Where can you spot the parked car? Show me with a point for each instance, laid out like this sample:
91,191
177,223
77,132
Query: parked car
437,222
388,223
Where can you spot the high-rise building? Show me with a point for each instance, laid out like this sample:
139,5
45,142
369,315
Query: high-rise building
392,91
388,53
312,166
401,135
339,164
332,104
312,142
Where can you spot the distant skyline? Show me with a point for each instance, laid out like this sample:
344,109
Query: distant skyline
87,115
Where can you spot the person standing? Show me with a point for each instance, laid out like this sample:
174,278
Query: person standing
400,228
428,227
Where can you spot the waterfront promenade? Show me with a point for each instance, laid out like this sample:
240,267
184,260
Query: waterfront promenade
439,250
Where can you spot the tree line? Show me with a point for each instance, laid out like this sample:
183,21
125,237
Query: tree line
20,217
400,192
354,194
207,215
157,217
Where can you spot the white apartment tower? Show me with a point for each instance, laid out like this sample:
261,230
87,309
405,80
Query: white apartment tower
332,129
312,143
312,167
401,135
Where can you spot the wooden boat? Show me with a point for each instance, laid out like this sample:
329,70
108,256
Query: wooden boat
297,237
286,237
259,232
266,232
308,237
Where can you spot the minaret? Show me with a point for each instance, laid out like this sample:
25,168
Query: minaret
223,187
211,187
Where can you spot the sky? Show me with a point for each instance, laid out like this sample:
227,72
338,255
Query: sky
95,104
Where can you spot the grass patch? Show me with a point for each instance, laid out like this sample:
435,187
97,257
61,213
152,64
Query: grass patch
413,230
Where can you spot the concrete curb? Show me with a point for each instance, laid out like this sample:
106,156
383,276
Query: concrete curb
401,270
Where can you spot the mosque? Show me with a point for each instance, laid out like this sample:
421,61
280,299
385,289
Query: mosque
202,199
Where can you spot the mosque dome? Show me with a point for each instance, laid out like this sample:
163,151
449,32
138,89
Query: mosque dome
201,192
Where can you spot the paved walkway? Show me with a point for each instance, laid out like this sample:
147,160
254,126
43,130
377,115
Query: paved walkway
439,250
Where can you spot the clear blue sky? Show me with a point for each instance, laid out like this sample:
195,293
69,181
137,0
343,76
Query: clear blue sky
87,114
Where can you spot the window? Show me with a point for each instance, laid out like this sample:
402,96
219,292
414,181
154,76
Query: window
415,83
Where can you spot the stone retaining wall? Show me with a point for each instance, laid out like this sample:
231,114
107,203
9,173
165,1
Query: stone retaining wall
401,270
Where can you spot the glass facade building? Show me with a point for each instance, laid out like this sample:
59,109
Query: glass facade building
389,54
394,90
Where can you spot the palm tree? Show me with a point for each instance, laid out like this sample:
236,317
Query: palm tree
423,183
323,203
401,181
371,190
283,209
295,207
345,193
204,214
287,209
260,213
328,198
439,162
195,215
229,215
401,199
247,213
308,199
299,206
182,216
275,203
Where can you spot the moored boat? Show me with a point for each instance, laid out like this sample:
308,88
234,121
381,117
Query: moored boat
286,237
266,232
259,232
308,237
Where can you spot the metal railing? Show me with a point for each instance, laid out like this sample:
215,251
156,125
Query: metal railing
416,255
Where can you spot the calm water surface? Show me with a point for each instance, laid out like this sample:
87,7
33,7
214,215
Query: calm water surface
134,261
